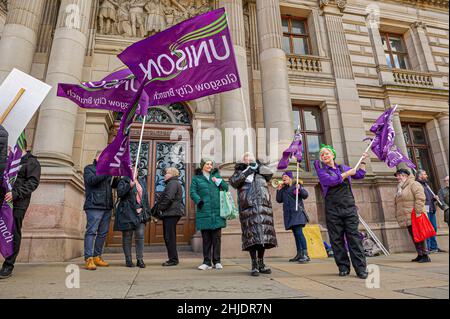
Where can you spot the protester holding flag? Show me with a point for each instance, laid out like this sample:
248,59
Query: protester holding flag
28,179
294,219
98,207
410,195
131,217
341,211
430,208
3,158
443,198
255,210
205,192
170,203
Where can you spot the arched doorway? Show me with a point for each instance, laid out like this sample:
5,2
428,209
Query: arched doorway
161,150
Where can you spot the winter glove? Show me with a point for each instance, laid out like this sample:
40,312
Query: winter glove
200,205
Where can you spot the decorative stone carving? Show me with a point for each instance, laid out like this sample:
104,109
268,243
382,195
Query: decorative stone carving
141,18
418,24
341,4
3,5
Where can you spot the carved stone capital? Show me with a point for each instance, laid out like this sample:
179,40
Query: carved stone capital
341,4
418,24
4,5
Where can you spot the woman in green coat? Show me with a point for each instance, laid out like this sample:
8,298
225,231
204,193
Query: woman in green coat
205,192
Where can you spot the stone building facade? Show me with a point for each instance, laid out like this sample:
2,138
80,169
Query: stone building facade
330,67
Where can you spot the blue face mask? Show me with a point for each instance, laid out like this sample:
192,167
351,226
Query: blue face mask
254,165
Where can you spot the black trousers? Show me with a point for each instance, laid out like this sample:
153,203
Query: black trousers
170,237
212,240
342,221
421,247
19,215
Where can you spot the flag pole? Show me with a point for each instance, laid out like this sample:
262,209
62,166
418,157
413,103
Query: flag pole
12,105
247,123
297,189
139,148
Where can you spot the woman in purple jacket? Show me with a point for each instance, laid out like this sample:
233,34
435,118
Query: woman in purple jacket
341,211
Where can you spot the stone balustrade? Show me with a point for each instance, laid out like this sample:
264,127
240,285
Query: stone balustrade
304,63
412,78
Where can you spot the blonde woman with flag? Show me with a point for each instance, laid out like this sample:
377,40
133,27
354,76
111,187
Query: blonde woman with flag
341,211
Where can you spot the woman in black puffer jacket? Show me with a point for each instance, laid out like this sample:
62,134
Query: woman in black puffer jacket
255,210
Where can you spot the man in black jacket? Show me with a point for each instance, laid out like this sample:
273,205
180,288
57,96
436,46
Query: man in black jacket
26,183
98,207
3,158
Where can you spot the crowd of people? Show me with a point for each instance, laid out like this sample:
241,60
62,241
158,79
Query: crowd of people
251,180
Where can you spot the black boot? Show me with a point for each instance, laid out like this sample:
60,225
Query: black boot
419,257
129,263
140,263
424,259
262,267
297,257
255,270
6,272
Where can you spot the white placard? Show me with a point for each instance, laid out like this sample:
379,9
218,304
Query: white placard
26,107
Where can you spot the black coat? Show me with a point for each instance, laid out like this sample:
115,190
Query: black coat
126,217
27,181
98,189
287,197
170,202
255,207
3,151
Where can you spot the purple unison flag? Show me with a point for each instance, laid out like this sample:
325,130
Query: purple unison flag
296,150
117,92
384,142
6,211
115,159
187,61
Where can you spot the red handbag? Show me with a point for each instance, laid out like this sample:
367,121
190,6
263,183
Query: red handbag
421,227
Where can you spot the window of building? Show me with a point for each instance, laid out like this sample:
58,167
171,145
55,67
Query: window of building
309,119
295,36
419,150
395,51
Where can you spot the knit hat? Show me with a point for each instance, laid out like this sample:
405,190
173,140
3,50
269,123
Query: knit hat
289,174
204,161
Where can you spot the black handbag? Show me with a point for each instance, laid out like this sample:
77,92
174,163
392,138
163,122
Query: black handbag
156,212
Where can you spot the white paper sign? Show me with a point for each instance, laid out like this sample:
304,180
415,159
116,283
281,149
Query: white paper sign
26,107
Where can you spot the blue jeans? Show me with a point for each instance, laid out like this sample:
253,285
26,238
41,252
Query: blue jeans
432,242
96,231
300,240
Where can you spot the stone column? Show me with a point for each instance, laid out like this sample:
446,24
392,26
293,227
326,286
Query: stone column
54,228
399,138
444,127
233,108
57,118
274,75
350,113
19,38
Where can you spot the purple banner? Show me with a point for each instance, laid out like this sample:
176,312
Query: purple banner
188,61
6,211
115,159
117,92
295,150
384,142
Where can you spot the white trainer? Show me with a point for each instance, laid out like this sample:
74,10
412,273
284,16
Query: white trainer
204,267
218,266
